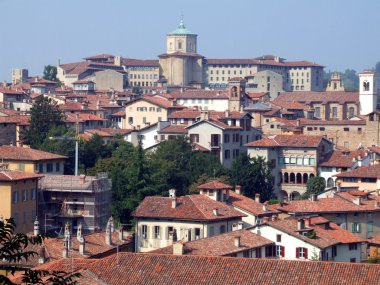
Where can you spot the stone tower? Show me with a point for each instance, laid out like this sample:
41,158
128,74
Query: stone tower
236,93
367,92
335,83
181,65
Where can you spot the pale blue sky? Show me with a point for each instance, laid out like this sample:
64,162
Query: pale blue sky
336,33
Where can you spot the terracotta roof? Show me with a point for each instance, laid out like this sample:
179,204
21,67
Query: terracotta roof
191,207
288,141
185,114
13,175
199,147
220,245
74,106
291,105
109,132
140,62
308,122
179,53
326,236
374,240
119,114
11,91
263,61
257,95
214,185
163,103
173,129
158,269
200,94
26,153
339,158
82,117
314,96
249,205
372,171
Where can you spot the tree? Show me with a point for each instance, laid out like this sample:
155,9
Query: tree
315,185
253,175
13,250
50,73
44,116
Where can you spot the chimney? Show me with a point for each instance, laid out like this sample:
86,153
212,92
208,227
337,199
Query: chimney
82,178
237,226
81,246
79,232
215,211
174,202
237,241
307,222
36,229
226,114
178,248
68,236
108,233
338,187
121,234
41,255
300,224
314,197
172,193
265,207
266,219
112,224
257,198
357,201
65,252
238,189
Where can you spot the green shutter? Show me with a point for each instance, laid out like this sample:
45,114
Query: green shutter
359,228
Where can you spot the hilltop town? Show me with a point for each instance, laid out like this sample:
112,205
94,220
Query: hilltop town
192,169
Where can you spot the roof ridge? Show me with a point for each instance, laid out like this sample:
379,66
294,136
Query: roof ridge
196,206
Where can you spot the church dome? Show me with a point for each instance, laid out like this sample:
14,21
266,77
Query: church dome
181,30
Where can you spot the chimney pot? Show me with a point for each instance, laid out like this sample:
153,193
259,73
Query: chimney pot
81,246
358,201
238,189
36,229
300,224
257,198
237,241
215,212
178,248
265,207
314,197
174,202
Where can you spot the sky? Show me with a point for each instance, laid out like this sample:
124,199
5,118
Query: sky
338,34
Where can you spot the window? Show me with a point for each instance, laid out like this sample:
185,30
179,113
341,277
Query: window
227,154
350,179
322,129
293,160
197,232
370,227
258,252
335,112
49,167
33,194
309,128
222,229
226,138
41,168
305,161
130,120
334,251
280,251
278,238
346,129
21,167
312,161
301,252
287,159
317,112
270,251
194,138
57,166
211,231
144,231
15,197
24,195
359,130
156,232
352,246
356,227
158,110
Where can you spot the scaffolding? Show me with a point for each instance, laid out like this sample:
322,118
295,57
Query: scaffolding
74,199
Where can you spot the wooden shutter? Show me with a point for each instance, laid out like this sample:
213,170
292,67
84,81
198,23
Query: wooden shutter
297,252
353,228
305,252
282,251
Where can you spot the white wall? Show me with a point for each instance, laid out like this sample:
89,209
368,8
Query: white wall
205,104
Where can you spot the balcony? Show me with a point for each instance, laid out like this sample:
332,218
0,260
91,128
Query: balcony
215,145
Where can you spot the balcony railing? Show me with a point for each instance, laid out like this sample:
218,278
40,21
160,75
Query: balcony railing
215,145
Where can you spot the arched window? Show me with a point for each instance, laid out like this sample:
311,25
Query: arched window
286,177
366,86
292,178
305,178
311,175
330,183
294,196
299,178
179,45
234,91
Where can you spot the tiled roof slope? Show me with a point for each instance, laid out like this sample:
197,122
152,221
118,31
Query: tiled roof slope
372,171
13,175
249,205
314,96
214,185
339,158
173,129
220,245
288,141
191,207
141,269
25,153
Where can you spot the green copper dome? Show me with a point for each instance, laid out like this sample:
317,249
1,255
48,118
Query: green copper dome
181,30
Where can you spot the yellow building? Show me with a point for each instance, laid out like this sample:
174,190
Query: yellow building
31,160
18,192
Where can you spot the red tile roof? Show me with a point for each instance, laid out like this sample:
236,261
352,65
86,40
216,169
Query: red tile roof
158,269
372,171
27,154
214,185
256,95
185,114
250,205
308,122
326,236
288,141
291,105
109,132
173,129
314,96
339,158
13,175
191,207
220,245
140,62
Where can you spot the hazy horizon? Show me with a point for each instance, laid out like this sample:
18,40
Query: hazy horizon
337,34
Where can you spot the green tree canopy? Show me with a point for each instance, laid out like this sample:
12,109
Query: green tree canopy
44,116
253,175
50,72
315,185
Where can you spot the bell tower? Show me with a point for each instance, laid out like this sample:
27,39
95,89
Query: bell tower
367,92
236,93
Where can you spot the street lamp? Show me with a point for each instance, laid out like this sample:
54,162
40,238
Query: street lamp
76,148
